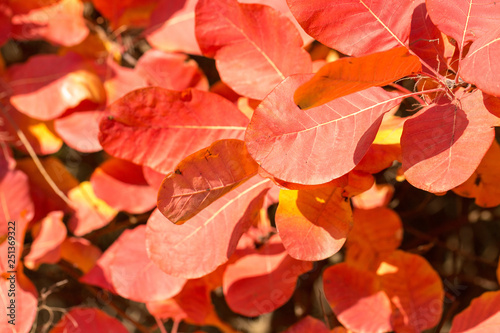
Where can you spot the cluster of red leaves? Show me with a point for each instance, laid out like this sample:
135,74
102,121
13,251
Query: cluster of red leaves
213,159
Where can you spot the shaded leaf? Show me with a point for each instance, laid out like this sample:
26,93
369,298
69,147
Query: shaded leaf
262,281
172,27
379,195
356,299
477,68
349,75
356,27
80,253
308,324
437,142
376,234
200,245
88,320
170,71
482,315
134,276
149,120
121,184
48,236
204,177
427,41
415,289
483,183
379,157
465,20
313,224
255,46
319,144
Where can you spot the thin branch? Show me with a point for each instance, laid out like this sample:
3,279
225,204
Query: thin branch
35,158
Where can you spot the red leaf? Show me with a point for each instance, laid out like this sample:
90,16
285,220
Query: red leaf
25,306
428,42
204,177
149,120
482,315
464,20
250,64
80,130
170,71
119,80
134,276
356,299
477,68
379,195
308,324
436,143
121,12
47,85
415,289
313,224
88,320
59,22
295,145
100,274
356,27
122,185
48,237
262,281
349,75
172,27
199,246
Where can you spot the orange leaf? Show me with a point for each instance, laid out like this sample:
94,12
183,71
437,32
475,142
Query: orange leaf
308,324
483,183
379,195
482,315
376,234
349,75
48,237
313,224
80,252
204,177
356,299
415,290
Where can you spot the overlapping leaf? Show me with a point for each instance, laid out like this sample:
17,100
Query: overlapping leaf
80,130
122,185
437,143
357,299
134,276
255,46
59,22
80,253
313,224
317,145
262,281
88,320
483,183
349,75
482,315
204,177
308,324
150,120
199,246
464,20
47,85
356,27
48,237
478,68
